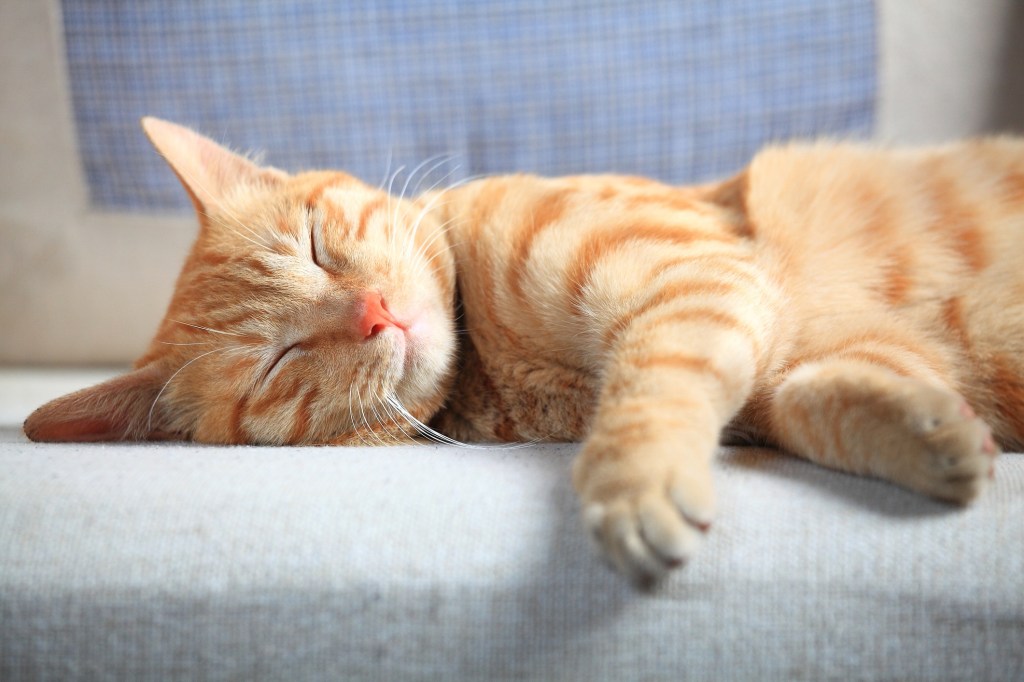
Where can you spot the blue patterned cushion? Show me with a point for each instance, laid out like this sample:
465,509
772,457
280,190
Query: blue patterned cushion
676,90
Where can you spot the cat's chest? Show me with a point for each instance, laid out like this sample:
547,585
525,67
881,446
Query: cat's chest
505,397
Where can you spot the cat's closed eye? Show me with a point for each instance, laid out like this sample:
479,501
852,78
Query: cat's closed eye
313,246
281,359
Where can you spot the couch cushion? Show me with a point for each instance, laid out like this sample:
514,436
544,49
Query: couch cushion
677,91
177,561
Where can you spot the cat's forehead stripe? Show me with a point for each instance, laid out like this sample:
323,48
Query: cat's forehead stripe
369,209
332,180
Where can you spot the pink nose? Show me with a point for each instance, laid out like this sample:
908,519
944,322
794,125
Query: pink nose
375,316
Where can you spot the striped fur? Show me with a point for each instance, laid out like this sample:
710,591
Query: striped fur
856,306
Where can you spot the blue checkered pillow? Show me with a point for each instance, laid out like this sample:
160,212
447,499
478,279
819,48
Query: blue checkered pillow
680,91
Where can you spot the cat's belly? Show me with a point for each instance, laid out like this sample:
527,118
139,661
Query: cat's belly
516,400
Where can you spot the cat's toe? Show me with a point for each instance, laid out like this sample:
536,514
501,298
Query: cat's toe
694,498
959,474
648,526
646,510
670,534
619,538
959,451
642,540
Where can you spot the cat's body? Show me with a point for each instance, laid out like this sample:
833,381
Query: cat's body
840,302
913,260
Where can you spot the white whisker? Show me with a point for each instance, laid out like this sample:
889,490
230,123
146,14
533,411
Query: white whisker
426,209
415,170
351,402
257,242
440,195
441,233
391,420
205,329
152,407
197,343
366,422
439,437
391,213
387,169
420,260
446,158
376,415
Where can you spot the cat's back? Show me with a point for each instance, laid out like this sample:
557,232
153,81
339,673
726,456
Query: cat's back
821,191
925,245
904,224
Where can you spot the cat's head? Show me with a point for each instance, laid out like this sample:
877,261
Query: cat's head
312,308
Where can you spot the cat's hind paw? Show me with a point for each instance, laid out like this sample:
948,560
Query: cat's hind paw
957,451
869,420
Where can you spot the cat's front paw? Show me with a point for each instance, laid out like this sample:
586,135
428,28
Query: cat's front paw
646,511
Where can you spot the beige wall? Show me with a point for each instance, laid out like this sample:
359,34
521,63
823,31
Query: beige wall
950,68
75,285
80,286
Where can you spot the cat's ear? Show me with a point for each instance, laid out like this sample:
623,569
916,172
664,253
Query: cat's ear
119,409
208,171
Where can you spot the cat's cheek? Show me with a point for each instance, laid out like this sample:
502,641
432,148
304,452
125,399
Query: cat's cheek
416,352
401,356
419,331
429,356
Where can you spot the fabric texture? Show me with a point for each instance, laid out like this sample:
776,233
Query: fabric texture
178,562
680,91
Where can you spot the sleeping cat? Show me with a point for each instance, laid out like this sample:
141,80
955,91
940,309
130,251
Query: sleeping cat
858,307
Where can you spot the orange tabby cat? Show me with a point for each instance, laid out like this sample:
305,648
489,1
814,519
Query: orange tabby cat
852,305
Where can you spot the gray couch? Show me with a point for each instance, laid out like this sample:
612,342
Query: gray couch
171,561
178,561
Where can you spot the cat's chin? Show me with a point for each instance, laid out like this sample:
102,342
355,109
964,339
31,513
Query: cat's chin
423,358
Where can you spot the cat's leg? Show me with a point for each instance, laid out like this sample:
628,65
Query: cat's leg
855,415
644,474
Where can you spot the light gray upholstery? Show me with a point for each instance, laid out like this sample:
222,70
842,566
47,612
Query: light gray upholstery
178,562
